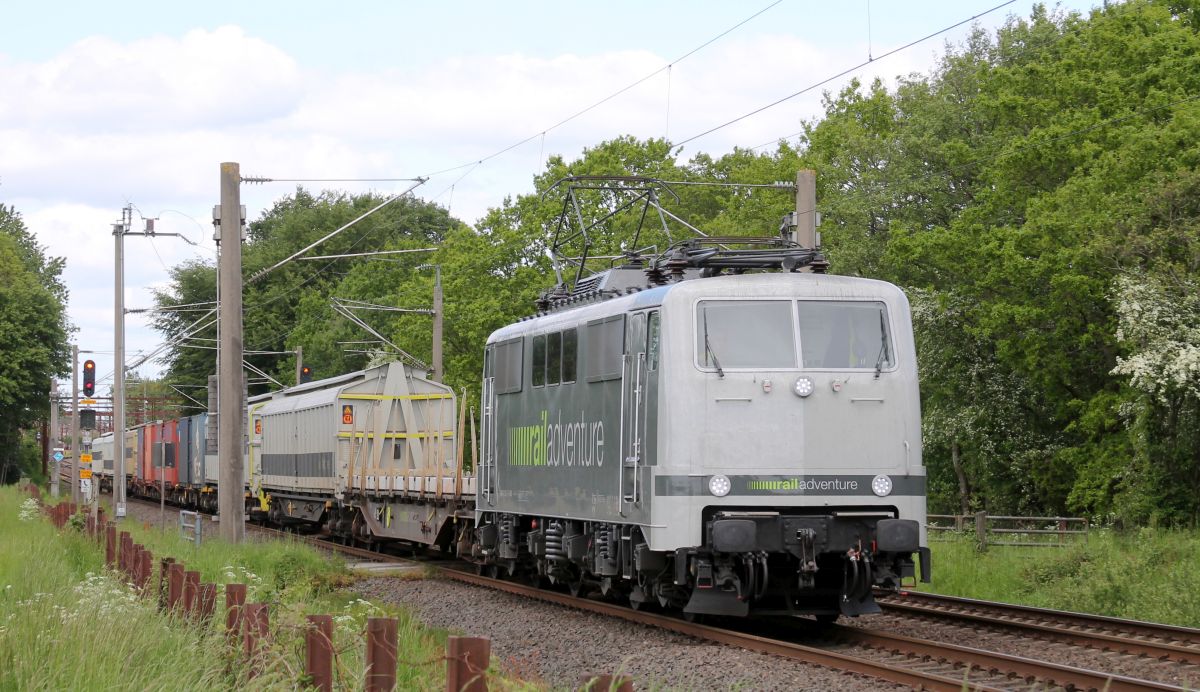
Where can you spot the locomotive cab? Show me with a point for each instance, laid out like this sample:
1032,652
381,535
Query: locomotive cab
789,458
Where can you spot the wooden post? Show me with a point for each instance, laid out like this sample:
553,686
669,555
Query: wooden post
123,544
318,656
981,530
207,602
164,569
146,570
235,601
110,544
255,630
191,592
381,654
174,586
467,660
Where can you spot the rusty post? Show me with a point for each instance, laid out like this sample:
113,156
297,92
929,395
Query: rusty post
467,661
110,544
164,569
318,656
381,654
191,592
146,560
235,602
607,683
91,526
256,629
101,520
125,547
207,602
135,563
174,586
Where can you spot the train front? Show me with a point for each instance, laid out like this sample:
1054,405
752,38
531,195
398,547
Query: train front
789,474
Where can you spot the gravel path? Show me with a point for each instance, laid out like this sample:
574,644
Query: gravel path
558,645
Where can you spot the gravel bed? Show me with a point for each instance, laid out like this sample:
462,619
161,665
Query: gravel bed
557,645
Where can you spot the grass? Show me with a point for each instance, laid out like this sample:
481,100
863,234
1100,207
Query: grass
1146,574
66,623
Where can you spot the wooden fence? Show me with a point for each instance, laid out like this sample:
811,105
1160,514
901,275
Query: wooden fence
1012,531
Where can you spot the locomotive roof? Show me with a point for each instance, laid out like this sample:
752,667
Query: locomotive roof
733,286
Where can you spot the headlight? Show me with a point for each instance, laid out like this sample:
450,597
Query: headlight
881,486
803,386
719,486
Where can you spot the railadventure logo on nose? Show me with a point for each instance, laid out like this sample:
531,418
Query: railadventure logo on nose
800,485
574,443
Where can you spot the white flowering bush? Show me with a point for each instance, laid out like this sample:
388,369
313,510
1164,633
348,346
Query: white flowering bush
1160,325
29,510
353,619
237,574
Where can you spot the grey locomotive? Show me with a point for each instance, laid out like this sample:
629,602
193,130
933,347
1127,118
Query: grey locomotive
708,440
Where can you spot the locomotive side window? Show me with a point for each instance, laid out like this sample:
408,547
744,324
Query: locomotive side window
652,329
603,346
745,334
570,346
538,372
509,355
845,335
554,358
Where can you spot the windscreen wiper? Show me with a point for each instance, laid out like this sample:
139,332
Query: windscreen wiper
708,349
884,352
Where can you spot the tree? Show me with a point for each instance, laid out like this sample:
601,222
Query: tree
33,336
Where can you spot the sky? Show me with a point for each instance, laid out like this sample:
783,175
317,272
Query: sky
138,103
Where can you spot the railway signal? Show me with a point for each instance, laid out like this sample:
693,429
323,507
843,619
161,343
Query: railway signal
89,377
305,374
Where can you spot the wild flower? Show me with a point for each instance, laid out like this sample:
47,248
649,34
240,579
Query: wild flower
29,510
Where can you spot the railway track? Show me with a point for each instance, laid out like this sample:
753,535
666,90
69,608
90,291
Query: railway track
1159,642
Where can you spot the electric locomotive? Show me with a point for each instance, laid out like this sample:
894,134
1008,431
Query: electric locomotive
700,434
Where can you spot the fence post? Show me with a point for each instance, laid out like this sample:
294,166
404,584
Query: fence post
164,569
235,601
135,564
174,586
124,542
981,530
256,628
381,654
467,661
110,544
318,656
191,592
147,559
207,602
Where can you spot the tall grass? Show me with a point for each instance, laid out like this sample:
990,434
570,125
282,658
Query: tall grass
1147,574
65,623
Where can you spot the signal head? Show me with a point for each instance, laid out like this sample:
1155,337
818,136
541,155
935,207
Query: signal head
89,378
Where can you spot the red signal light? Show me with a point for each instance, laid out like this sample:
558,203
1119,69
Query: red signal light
89,378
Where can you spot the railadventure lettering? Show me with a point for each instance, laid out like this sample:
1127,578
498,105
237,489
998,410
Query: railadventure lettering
574,443
802,485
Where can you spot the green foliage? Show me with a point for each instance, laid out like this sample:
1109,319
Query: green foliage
1008,190
33,336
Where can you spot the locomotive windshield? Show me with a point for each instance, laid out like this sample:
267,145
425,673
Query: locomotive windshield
745,334
761,334
844,335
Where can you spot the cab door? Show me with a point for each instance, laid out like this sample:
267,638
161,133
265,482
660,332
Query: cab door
633,411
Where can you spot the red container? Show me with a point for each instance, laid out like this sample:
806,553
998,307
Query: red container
159,458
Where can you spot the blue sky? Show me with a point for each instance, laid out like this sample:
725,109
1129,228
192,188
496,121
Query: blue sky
139,102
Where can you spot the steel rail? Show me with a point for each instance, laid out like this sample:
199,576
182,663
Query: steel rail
1040,674
798,652
1162,642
